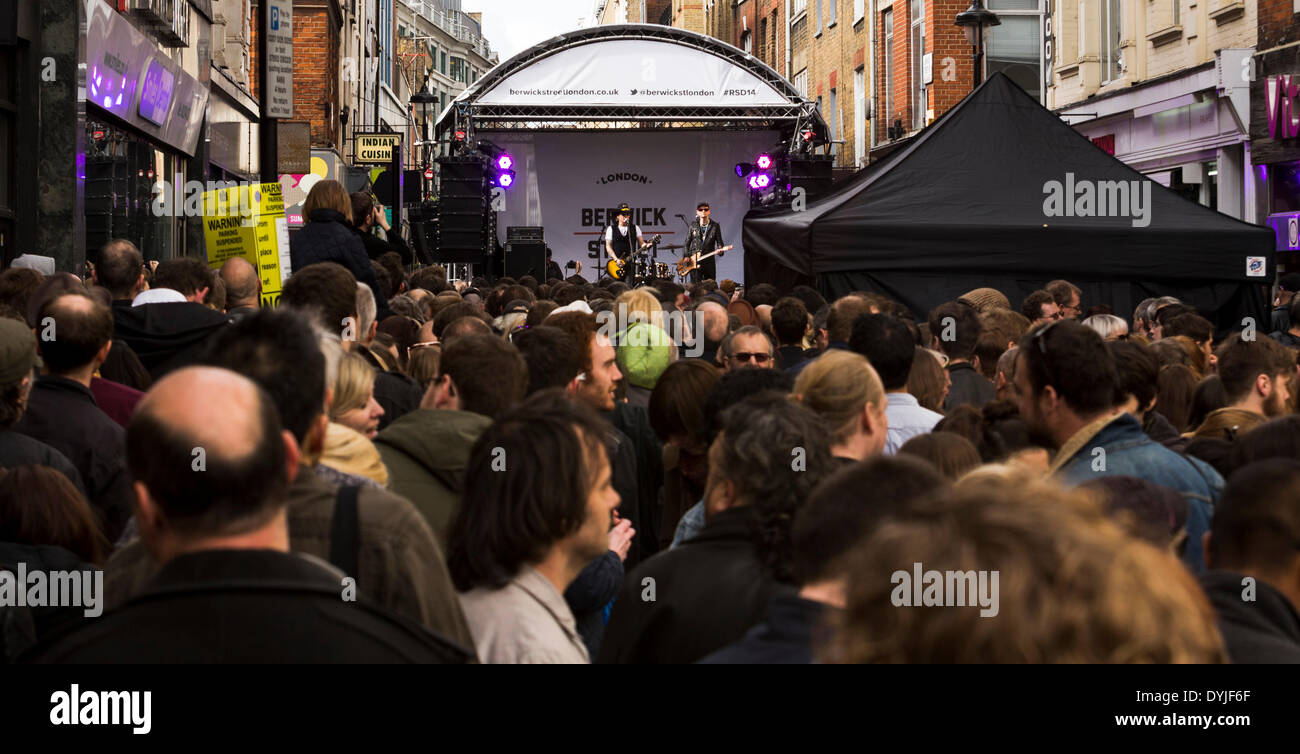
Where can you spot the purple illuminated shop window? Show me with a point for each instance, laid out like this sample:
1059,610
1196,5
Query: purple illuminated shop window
156,96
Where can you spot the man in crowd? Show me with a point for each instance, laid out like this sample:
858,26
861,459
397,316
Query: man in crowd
790,326
1256,376
955,330
171,332
1039,308
712,317
480,377
1066,295
1067,385
18,360
826,529
1138,370
706,593
365,216
75,336
372,535
1281,319
1290,337
1254,581
229,589
330,293
243,288
537,510
888,345
748,348
1000,329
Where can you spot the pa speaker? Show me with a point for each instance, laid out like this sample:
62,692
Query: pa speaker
526,259
813,175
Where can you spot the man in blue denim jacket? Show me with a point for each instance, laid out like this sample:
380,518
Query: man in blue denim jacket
1068,392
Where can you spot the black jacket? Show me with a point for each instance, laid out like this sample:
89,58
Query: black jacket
703,240
17,449
377,247
968,387
62,413
1280,318
247,606
788,636
1163,431
588,595
166,336
329,237
707,593
1263,631
22,627
634,423
791,356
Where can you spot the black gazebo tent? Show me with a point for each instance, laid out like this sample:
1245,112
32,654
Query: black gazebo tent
1000,192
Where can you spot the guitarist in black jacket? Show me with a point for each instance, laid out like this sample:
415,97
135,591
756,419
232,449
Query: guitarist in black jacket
704,236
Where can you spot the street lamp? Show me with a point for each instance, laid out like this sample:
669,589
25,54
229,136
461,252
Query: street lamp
974,20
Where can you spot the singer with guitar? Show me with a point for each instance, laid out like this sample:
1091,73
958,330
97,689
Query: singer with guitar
621,264
703,242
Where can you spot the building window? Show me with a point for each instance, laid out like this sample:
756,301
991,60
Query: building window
917,44
859,117
834,12
444,62
859,10
1110,54
747,42
819,18
887,19
1015,47
798,7
801,82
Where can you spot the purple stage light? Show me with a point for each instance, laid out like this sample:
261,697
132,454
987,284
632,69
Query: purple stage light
504,162
764,162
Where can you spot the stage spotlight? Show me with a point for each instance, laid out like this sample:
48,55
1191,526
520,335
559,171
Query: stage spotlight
744,168
505,178
504,162
760,181
764,162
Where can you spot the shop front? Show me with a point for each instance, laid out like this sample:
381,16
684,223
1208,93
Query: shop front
1275,137
144,115
1187,132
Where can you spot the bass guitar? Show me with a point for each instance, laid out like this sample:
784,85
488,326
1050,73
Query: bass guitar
686,264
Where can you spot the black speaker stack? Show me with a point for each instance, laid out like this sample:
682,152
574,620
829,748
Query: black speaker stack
813,174
466,229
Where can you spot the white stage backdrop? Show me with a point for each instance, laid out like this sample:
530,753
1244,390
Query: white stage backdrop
571,182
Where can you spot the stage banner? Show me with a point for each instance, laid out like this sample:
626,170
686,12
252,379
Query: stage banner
571,183
633,72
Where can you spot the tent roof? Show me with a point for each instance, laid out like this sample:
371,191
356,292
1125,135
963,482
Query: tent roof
973,194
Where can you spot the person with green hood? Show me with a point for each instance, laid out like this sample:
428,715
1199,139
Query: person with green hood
479,378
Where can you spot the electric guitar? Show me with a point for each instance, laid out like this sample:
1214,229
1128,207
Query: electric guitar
615,267
686,264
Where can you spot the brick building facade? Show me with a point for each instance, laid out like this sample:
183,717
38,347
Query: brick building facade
316,38
1165,87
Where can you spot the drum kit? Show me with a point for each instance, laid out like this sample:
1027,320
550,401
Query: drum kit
643,266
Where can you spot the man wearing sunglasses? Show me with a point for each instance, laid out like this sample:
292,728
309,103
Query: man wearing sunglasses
748,348
1068,383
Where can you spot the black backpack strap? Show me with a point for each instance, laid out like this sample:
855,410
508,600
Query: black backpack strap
345,531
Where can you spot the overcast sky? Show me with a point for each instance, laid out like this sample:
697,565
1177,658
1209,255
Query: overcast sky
512,26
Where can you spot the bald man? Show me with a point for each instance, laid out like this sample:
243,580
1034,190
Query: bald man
713,320
243,288
211,478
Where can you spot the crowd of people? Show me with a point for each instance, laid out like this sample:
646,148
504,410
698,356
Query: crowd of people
391,466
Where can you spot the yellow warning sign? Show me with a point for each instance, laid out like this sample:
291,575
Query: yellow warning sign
376,149
248,221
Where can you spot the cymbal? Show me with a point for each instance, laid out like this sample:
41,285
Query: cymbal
671,247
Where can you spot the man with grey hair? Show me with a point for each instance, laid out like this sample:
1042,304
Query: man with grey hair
367,325
768,457
243,287
748,348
